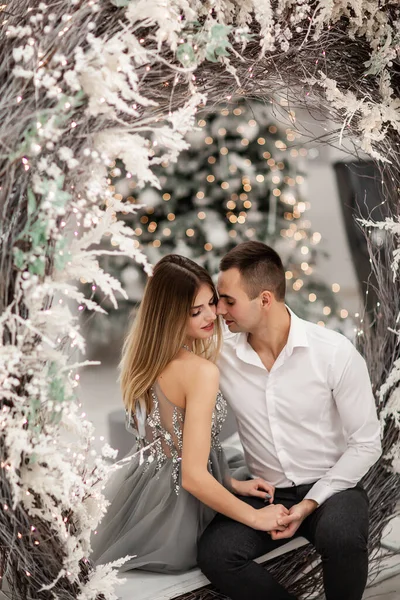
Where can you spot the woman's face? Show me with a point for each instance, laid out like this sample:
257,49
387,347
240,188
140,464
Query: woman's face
202,314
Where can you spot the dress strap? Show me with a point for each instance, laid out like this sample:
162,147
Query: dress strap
141,416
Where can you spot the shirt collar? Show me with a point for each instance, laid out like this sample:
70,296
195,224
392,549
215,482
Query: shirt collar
297,333
297,338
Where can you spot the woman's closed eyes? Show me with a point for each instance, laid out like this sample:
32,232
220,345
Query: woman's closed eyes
212,302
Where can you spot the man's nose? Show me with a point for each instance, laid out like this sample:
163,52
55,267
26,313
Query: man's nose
221,308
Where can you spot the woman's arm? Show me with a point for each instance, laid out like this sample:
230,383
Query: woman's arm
201,391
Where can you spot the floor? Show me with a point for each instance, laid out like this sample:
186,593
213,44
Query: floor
386,590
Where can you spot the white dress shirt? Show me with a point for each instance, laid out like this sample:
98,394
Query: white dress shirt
311,418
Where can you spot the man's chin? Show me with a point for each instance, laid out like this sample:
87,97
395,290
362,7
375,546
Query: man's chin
232,326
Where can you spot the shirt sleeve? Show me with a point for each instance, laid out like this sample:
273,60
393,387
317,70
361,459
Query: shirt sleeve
355,403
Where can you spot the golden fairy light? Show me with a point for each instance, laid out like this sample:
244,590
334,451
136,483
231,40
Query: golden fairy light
316,237
298,284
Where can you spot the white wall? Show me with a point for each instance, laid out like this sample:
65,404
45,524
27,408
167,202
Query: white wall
325,214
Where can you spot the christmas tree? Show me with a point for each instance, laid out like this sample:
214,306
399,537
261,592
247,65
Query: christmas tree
240,179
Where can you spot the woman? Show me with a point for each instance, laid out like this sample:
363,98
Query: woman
164,496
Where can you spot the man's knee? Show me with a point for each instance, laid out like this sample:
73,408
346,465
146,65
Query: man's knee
343,525
342,542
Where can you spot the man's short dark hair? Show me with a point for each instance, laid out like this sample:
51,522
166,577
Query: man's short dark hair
260,267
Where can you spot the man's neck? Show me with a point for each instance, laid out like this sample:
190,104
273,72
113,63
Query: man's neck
271,336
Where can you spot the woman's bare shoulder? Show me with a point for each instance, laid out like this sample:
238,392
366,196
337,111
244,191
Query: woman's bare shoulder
191,367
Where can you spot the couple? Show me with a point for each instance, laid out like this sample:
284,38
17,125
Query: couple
306,416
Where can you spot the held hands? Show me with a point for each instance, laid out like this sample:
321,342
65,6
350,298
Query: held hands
270,518
254,487
292,521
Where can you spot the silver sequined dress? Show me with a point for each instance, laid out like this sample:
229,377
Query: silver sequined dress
151,516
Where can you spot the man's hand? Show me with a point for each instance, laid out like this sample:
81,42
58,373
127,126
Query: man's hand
294,519
254,487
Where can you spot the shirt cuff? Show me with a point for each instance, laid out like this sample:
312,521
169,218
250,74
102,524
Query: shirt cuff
320,492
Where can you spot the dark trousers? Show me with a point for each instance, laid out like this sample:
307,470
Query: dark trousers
338,529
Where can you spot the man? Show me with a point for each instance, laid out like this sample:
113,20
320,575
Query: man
307,421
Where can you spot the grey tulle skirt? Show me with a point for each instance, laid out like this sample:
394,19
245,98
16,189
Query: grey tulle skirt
149,520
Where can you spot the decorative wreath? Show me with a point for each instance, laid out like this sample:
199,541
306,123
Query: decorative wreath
84,82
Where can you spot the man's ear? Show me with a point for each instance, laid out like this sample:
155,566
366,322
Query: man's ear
266,298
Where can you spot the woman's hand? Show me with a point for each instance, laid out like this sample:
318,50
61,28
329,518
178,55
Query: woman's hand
269,518
254,487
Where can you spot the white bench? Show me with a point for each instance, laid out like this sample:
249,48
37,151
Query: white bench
143,585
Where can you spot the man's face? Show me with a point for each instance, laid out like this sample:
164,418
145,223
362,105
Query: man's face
239,312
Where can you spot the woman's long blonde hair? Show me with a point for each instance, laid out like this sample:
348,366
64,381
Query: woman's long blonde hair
159,329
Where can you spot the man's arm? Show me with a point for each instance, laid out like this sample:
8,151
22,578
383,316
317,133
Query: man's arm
355,402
